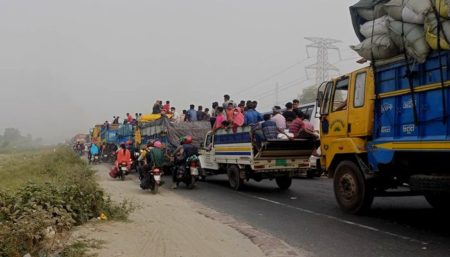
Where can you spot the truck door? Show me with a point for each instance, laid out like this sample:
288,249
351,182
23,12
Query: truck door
207,157
360,111
335,112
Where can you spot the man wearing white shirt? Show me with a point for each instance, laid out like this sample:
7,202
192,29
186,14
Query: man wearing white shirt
278,118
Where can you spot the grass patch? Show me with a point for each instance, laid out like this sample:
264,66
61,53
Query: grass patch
81,248
45,193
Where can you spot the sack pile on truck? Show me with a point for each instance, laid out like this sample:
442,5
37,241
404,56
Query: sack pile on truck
387,28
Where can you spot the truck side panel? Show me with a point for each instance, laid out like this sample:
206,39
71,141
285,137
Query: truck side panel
394,113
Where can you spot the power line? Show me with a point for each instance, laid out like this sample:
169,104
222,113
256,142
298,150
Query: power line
322,66
271,76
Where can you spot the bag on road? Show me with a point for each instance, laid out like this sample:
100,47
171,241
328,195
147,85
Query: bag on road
113,172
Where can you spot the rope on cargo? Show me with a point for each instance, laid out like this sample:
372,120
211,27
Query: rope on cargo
439,27
377,103
409,74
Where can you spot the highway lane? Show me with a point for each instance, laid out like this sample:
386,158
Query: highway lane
307,217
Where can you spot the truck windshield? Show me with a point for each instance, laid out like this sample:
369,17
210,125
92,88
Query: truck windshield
340,96
325,107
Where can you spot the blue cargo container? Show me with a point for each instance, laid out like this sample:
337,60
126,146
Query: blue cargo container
394,111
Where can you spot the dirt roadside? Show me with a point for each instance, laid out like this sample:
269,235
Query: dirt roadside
167,225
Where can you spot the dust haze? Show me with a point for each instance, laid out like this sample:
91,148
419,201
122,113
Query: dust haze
67,65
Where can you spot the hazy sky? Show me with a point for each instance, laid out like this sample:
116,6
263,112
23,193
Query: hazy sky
67,65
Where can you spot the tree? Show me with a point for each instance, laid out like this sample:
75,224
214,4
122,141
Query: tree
308,95
11,135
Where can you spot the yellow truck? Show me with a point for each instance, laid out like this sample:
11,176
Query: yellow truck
386,128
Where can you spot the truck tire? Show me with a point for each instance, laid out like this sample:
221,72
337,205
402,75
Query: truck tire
352,192
439,201
234,177
284,182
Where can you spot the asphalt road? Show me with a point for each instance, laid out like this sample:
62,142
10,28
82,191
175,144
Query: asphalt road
307,217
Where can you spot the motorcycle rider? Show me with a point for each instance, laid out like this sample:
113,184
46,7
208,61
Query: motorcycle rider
142,160
123,155
184,151
93,152
155,158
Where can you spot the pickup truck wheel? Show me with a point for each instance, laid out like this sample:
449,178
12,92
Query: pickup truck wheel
351,190
234,178
438,200
284,182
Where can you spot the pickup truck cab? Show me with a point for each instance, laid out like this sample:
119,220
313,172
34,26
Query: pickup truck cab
238,155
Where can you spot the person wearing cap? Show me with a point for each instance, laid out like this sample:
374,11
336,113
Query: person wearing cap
278,118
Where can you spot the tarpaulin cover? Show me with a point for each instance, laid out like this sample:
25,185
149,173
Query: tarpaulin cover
365,5
173,131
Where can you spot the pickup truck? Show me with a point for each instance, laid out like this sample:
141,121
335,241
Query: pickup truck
239,156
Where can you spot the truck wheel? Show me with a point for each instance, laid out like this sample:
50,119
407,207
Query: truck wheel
351,190
439,201
284,182
234,178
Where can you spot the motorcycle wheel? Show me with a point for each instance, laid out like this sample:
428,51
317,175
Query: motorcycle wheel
155,189
191,184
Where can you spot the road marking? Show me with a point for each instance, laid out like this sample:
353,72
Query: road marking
338,219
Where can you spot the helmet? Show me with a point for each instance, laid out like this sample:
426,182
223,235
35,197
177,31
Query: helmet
157,144
150,143
188,139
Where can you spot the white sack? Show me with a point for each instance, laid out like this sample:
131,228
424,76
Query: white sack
379,26
410,11
414,39
372,14
382,48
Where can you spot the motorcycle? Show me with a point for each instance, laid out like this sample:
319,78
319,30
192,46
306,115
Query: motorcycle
123,170
94,159
151,179
105,158
155,180
135,162
188,173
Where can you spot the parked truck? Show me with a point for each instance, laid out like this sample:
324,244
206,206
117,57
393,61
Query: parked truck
387,127
237,154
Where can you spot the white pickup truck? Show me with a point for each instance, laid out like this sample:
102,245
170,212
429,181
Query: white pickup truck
242,157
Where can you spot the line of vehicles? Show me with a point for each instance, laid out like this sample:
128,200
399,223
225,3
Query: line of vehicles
384,131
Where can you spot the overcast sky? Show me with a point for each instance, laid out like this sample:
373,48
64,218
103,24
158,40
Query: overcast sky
67,65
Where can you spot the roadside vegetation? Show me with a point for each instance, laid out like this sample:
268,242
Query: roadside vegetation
43,194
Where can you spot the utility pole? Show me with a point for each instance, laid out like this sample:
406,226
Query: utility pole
277,90
322,66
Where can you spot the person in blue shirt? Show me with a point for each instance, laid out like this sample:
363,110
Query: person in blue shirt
251,116
192,114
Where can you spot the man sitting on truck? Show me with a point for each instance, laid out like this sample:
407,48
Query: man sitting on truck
270,129
301,128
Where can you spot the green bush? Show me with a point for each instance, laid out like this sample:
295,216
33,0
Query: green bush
70,196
